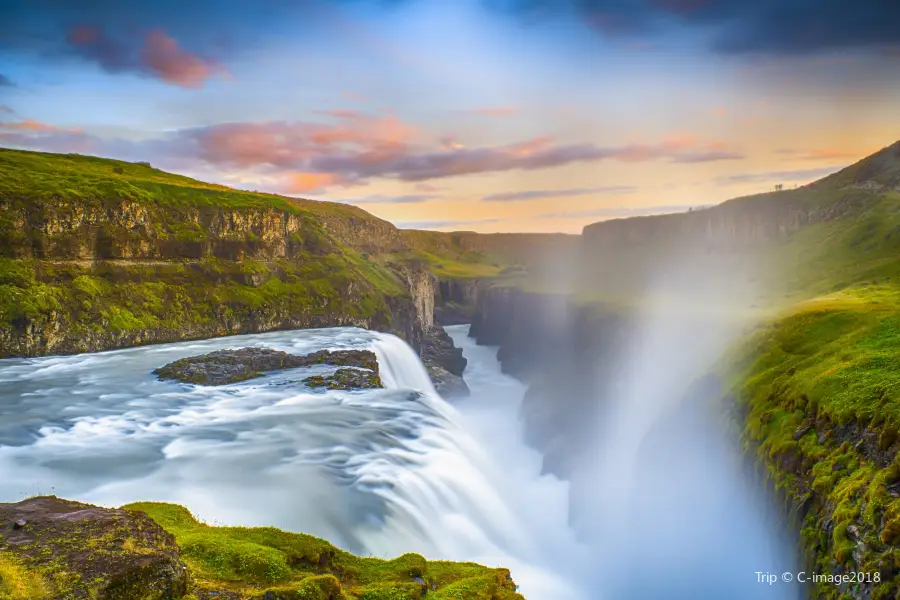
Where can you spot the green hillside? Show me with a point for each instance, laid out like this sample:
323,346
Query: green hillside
98,253
819,386
253,561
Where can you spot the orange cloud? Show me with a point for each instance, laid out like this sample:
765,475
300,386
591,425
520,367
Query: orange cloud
34,126
164,57
825,153
304,183
496,111
831,154
157,55
281,144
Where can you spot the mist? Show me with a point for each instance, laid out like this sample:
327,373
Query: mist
661,490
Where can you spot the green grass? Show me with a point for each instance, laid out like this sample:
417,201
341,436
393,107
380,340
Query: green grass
18,582
107,304
252,560
26,175
820,389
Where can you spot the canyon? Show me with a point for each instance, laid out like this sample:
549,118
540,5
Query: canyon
770,314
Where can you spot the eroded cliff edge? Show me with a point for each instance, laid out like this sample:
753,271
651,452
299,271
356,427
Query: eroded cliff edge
98,254
809,388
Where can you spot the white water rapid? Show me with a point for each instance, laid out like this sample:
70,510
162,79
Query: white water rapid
379,472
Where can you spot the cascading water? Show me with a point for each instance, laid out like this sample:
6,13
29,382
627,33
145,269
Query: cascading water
379,472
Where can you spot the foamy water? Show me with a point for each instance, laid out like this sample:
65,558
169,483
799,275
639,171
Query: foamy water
378,472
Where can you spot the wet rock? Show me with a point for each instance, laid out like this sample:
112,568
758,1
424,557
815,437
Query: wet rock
346,379
230,366
444,362
437,348
446,383
79,551
452,313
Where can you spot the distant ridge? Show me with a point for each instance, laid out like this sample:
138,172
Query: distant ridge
877,171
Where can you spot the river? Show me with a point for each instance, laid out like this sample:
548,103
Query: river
384,472
377,472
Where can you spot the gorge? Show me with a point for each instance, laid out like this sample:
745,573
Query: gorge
675,404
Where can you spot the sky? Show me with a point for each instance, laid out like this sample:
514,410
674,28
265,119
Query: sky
482,115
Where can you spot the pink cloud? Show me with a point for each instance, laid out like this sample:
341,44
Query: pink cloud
306,183
353,148
156,55
167,60
34,126
828,153
496,111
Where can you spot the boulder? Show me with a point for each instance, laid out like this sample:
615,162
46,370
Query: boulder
57,549
437,348
230,366
346,379
446,383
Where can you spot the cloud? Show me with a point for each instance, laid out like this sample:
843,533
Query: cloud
775,27
33,126
305,183
622,211
296,145
383,199
821,154
541,194
352,148
6,81
167,60
804,175
446,223
495,111
420,164
157,55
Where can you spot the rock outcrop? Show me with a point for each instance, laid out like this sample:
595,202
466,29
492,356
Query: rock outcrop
455,300
229,366
346,379
739,225
55,549
58,549
444,362
120,254
570,356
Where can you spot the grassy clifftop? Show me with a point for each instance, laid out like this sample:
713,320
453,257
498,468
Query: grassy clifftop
818,386
249,562
98,253
55,549
819,391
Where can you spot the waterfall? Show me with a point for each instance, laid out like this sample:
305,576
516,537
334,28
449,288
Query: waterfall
399,365
379,472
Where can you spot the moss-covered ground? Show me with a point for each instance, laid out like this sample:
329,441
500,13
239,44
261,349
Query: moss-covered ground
818,388
98,253
117,300
253,561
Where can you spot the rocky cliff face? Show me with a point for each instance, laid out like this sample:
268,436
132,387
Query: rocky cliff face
735,226
100,274
53,548
569,354
455,300
127,229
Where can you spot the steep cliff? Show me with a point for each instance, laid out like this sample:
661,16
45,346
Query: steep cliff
100,254
737,225
812,391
